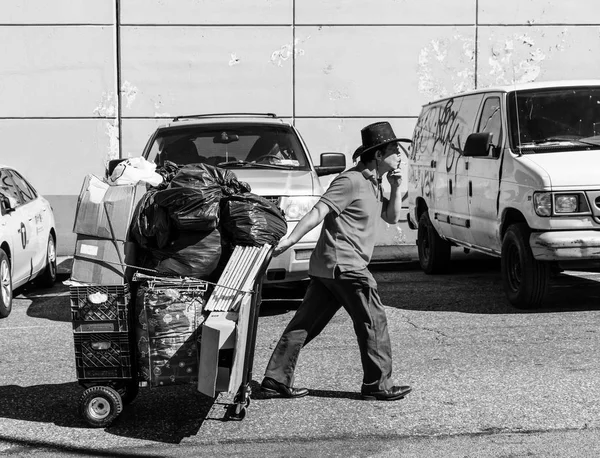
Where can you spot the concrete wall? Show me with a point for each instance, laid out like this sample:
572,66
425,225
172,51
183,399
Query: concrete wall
331,66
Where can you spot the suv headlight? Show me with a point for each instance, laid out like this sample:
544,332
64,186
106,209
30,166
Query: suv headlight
295,207
542,203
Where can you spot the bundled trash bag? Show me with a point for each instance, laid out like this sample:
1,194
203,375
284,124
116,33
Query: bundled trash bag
251,220
190,254
167,172
151,226
191,208
204,176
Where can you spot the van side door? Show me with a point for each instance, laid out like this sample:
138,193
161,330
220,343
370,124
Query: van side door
484,177
457,167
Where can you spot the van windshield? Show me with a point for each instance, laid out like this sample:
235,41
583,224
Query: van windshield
230,145
552,120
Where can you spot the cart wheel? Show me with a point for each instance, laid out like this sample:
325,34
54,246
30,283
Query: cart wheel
100,406
128,391
237,412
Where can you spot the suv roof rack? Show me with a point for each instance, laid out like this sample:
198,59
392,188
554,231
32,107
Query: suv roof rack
218,115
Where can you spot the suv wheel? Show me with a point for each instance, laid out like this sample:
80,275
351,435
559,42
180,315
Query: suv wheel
5,285
525,279
434,252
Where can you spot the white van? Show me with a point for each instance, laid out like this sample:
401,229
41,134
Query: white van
267,153
513,172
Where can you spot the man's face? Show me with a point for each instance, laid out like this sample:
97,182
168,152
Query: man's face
392,155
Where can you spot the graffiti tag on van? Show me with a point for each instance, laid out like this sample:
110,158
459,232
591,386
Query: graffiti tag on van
438,128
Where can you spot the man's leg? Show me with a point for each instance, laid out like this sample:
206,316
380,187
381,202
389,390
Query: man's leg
357,292
316,310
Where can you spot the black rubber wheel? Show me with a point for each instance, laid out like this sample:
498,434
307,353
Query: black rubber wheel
6,292
434,252
48,276
237,412
100,406
525,279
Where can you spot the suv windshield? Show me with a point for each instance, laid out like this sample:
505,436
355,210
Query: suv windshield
230,145
558,119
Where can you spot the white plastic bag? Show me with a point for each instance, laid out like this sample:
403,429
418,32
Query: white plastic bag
133,170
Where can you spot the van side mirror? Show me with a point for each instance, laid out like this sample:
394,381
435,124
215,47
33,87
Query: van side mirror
331,163
478,145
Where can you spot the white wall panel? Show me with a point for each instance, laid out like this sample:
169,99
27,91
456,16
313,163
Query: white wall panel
206,12
508,54
388,71
539,12
55,154
57,12
385,12
56,71
135,134
186,70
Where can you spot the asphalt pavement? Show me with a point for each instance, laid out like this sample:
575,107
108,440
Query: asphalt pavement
488,380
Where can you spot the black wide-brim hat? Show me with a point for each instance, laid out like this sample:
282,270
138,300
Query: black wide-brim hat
376,135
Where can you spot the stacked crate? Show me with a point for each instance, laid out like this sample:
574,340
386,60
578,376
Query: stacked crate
101,331
100,295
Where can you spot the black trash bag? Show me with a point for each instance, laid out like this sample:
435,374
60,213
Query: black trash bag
191,209
168,170
190,254
251,220
150,225
205,176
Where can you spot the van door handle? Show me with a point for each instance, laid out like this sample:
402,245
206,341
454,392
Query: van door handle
433,164
450,186
470,189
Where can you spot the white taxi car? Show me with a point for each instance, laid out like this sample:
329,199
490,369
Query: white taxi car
27,237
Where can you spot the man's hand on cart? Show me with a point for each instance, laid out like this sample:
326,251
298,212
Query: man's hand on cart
283,245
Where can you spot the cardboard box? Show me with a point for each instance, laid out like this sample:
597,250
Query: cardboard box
102,261
104,210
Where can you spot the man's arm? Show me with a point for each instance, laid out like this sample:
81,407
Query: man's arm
392,208
308,222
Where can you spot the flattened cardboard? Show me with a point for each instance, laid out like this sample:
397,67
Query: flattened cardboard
102,261
104,210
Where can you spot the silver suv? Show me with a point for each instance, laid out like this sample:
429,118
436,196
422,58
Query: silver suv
264,151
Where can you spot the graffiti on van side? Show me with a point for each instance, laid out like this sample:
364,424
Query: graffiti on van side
423,179
437,130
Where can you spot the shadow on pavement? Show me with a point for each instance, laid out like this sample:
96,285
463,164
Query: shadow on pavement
166,414
48,303
475,286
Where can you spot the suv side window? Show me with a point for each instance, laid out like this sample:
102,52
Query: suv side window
491,121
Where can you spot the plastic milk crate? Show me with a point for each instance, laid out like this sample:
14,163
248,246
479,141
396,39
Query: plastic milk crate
103,356
100,308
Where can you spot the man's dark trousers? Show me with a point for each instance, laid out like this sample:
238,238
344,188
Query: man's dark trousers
357,292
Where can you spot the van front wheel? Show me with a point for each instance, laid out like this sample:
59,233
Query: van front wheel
434,251
525,279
